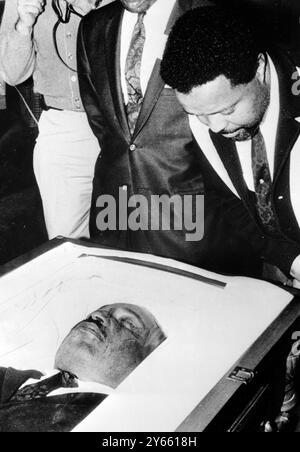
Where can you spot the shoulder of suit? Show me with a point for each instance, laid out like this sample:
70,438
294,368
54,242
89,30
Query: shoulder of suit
3,370
101,14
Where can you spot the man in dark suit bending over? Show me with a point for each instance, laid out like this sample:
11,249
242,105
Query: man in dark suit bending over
243,101
96,356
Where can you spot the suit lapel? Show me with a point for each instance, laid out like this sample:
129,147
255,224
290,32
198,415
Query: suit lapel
287,135
154,90
178,10
228,153
288,128
113,52
156,84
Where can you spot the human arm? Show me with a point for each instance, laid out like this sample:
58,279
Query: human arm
17,49
11,380
242,225
87,89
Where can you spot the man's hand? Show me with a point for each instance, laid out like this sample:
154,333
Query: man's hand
296,284
295,272
28,11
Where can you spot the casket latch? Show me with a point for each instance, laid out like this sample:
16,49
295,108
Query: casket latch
242,375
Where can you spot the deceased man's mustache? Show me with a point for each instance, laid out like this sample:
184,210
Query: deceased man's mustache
98,322
100,325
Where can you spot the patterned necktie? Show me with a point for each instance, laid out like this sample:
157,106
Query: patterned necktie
263,184
43,388
133,73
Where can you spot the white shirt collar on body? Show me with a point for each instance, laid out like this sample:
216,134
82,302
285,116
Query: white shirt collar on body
83,386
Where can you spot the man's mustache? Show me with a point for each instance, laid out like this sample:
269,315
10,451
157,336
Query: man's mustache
100,325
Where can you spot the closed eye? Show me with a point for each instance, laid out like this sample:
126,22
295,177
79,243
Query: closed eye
131,326
228,112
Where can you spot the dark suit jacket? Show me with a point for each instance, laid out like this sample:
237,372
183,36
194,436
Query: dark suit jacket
49,414
278,21
280,249
1,9
162,156
288,25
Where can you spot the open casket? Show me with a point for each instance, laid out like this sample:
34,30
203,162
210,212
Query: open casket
219,361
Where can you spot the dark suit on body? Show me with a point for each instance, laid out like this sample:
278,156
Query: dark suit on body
49,414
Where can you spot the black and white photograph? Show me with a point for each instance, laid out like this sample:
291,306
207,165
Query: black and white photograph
149,218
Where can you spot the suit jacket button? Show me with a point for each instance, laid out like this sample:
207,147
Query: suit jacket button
132,147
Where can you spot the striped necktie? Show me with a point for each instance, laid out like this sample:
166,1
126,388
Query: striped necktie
133,73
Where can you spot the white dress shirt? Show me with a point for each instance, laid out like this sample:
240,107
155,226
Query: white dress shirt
269,131
83,386
156,21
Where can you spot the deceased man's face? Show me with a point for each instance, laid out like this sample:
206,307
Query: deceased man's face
235,112
109,344
137,6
